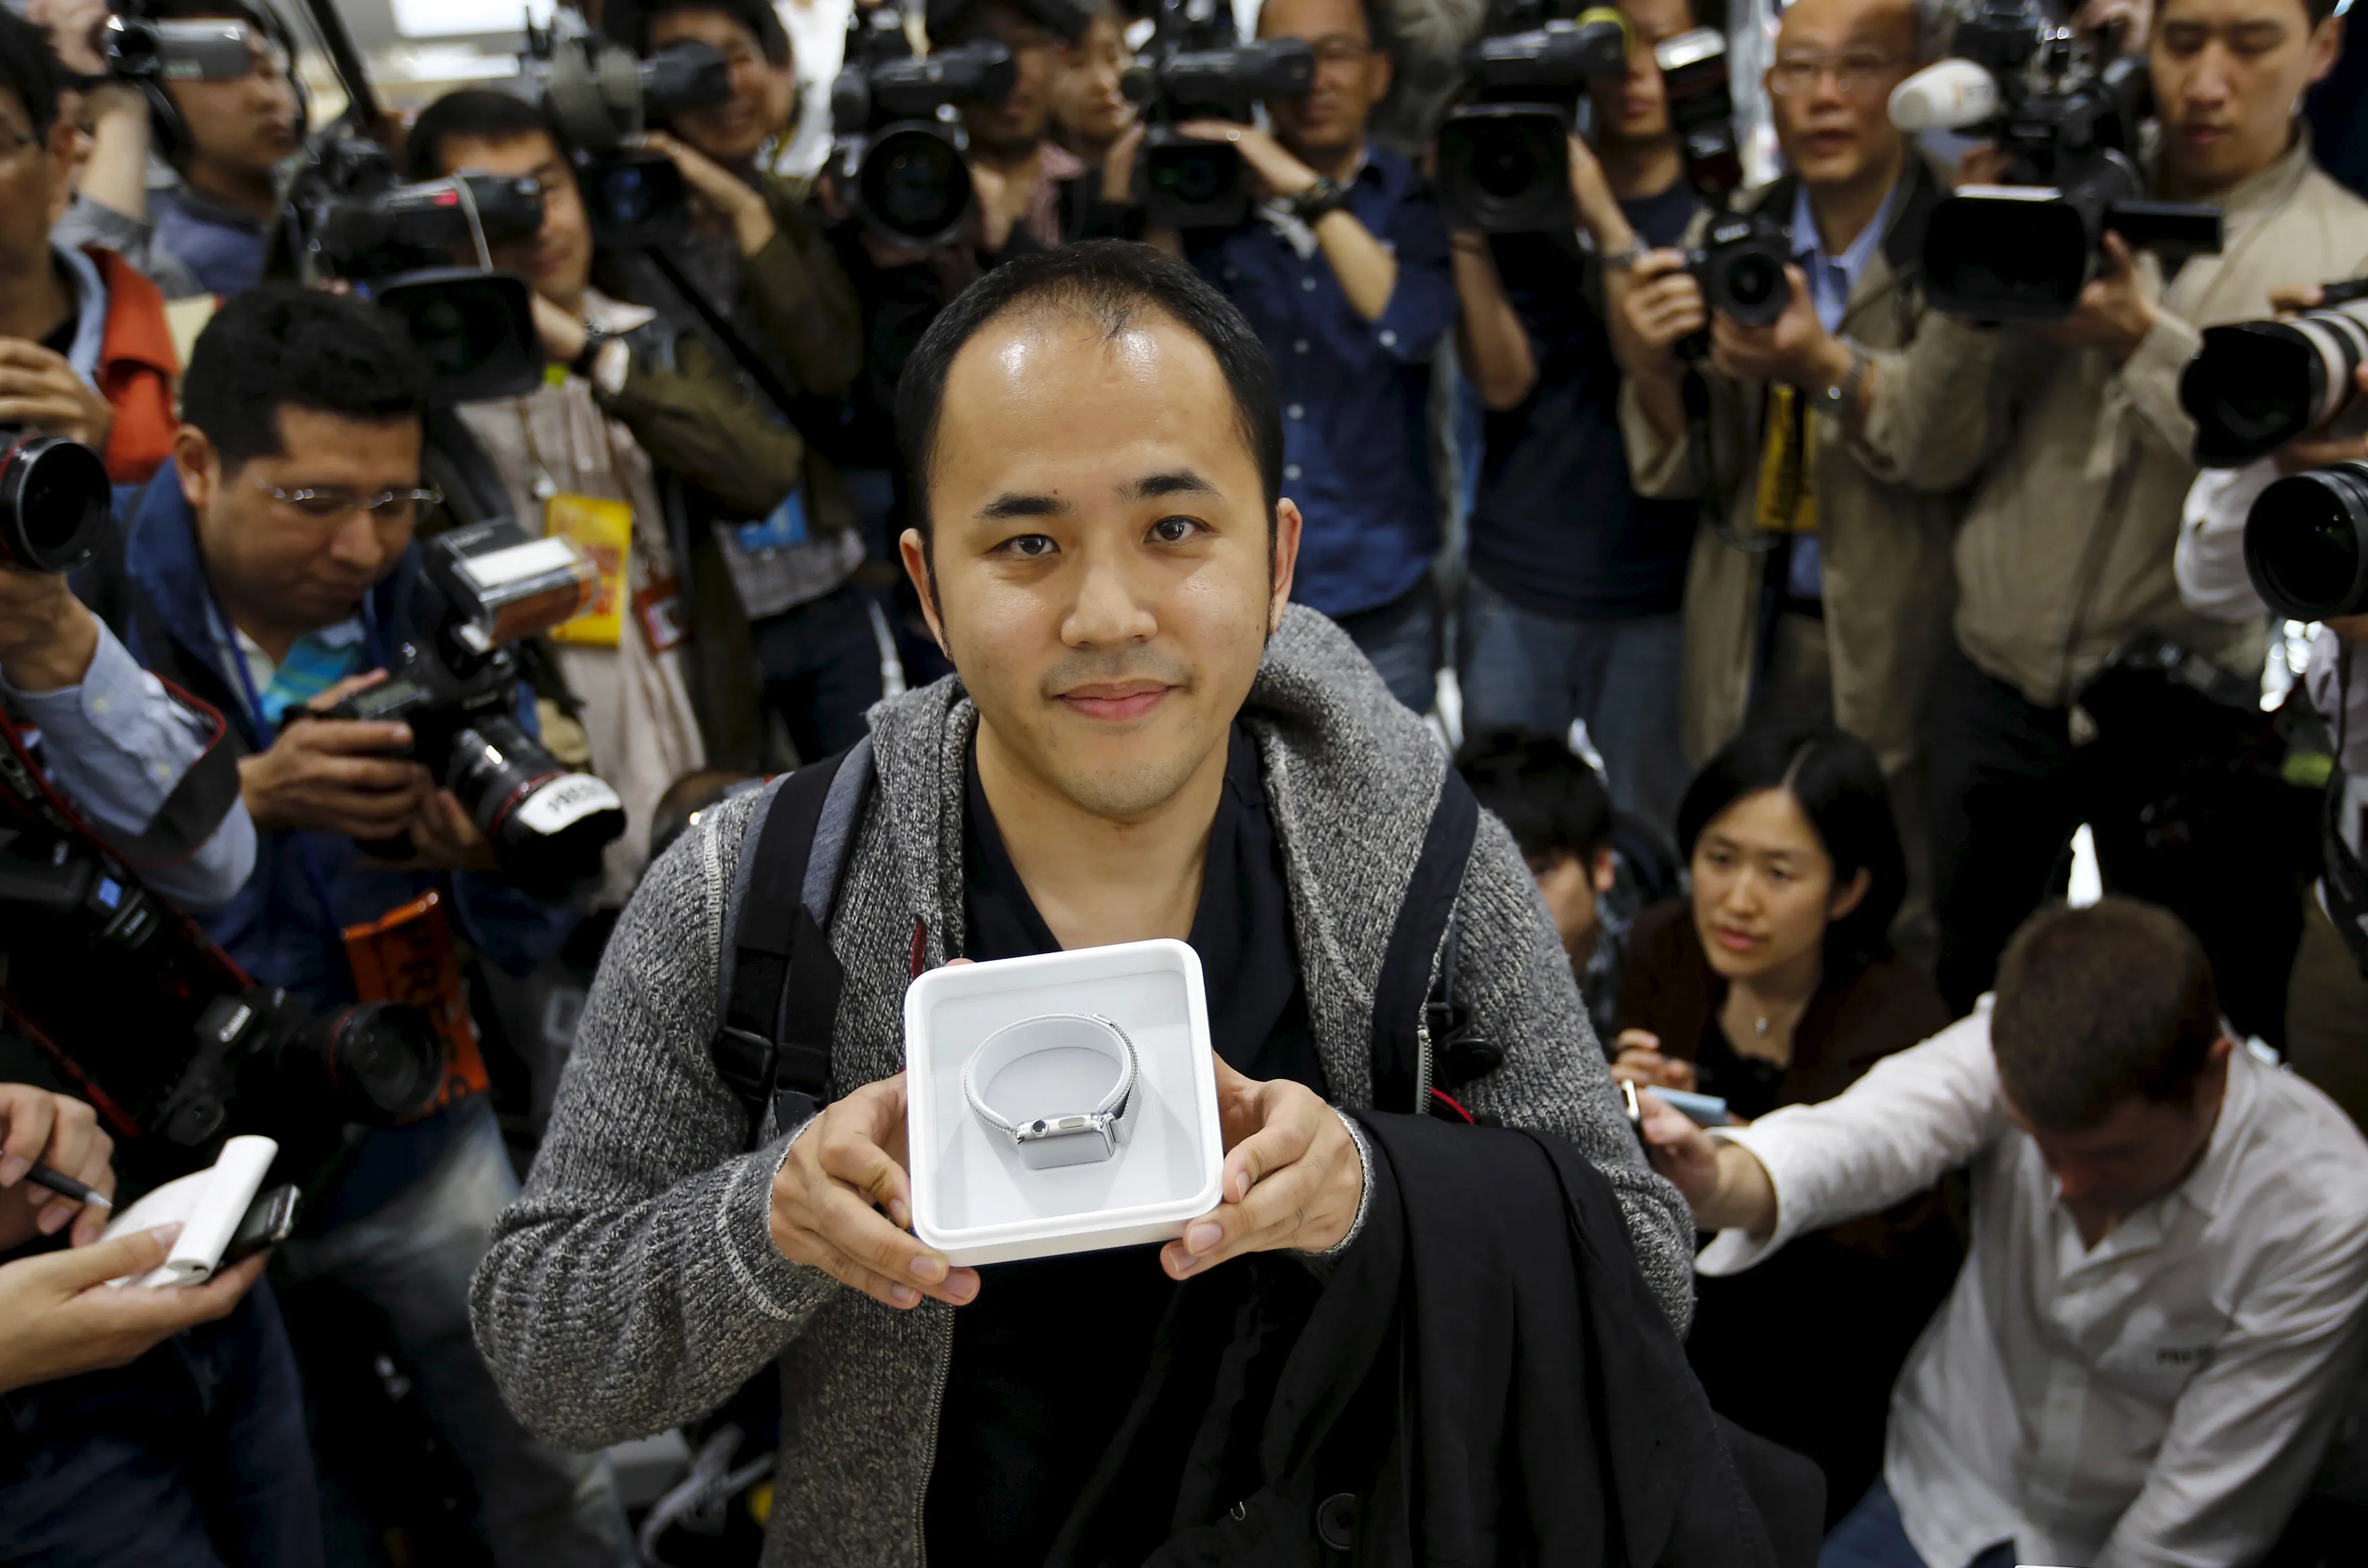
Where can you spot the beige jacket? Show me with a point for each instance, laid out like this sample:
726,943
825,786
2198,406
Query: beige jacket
2078,470
1885,542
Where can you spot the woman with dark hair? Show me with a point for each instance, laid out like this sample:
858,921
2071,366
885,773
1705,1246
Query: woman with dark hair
1774,983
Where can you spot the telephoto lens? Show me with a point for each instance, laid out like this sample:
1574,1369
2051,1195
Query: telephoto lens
2306,543
54,496
2256,386
549,823
378,1063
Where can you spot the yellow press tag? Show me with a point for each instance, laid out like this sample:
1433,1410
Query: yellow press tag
1788,466
605,531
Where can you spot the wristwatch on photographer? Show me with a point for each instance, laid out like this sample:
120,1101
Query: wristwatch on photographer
1326,195
1625,259
1842,396
596,364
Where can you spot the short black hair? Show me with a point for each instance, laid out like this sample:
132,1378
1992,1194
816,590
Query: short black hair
280,346
951,22
628,21
1834,778
30,68
1548,798
478,113
213,10
2100,1005
1115,283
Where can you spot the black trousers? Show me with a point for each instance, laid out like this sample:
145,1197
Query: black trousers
2010,790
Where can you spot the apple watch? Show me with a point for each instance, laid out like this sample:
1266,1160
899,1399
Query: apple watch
1080,1137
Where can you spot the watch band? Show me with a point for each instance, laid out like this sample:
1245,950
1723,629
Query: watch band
1842,396
1327,194
589,357
1627,256
1068,1138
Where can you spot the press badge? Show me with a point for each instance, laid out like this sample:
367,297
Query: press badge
1787,502
604,530
786,526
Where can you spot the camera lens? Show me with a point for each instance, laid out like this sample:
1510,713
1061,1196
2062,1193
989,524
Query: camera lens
2256,386
53,501
475,328
914,184
2306,543
1506,167
548,824
383,1061
1192,175
1751,288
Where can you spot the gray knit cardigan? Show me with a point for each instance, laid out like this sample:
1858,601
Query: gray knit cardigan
633,1285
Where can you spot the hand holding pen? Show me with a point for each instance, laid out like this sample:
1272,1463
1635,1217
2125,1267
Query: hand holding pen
60,1138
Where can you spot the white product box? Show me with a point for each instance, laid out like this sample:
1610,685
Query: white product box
972,1199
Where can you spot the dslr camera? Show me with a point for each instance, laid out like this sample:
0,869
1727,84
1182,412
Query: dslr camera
2306,543
497,583
2256,386
348,217
1740,263
898,126
1197,67
1503,153
166,1036
601,99
2068,123
55,500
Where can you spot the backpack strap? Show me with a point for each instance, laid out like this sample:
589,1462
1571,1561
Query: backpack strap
772,1047
1406,1001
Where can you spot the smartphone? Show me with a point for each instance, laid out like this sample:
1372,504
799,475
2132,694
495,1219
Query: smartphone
270,1220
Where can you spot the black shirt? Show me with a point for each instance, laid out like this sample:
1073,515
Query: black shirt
1557,526
1047,1358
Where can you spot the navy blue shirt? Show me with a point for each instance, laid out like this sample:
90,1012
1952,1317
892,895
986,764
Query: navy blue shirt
1557,528
222,245
1356,443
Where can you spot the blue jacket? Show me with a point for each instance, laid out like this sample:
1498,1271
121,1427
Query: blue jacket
275,926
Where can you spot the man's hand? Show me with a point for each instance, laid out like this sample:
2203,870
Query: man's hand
64,1318
1641,1063
750,215
1118,166
62,1133
39,389
47,638
1292,1181
1795,349
2113,314
1661,306
1276,173
337,775
1598,208
843,1171
72,26
444,838
1983,163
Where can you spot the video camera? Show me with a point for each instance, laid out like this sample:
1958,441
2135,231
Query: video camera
137,48
601,99
1504,154
2022,251
54,499
1197,67
348,217
173,1043
547,824
900,141
2256,386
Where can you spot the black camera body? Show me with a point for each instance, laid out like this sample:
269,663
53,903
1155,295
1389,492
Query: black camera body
601,100
166,1037
1740,266
2068,124
458,691
898,139
1504,151
54,501
1197,67
348,217
139,49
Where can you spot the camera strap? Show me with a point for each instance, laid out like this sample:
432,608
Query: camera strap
2344,881
191,813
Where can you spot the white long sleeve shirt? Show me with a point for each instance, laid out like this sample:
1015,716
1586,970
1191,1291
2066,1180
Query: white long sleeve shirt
2161,1399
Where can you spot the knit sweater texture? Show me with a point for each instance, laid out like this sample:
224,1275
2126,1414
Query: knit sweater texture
634,1284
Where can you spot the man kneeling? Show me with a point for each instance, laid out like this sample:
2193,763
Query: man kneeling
2147,1347
1142,740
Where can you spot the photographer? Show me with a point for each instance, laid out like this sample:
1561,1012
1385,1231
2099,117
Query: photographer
2076,453
756,255
1813,594
1144,740
2158,1320
85,351
226,140
145,1424
1343,272
269,568
1571,611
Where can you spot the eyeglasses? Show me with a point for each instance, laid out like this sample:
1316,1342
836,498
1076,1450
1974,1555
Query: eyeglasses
328,503
1340,50
1857,72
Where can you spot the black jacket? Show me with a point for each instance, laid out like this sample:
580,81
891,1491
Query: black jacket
1485,1379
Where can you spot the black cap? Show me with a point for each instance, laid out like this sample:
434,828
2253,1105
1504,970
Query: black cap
1063,17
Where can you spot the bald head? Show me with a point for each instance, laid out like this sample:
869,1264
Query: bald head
1836,62
1891,26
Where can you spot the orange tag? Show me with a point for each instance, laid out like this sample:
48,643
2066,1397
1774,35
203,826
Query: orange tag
406,955
605,530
